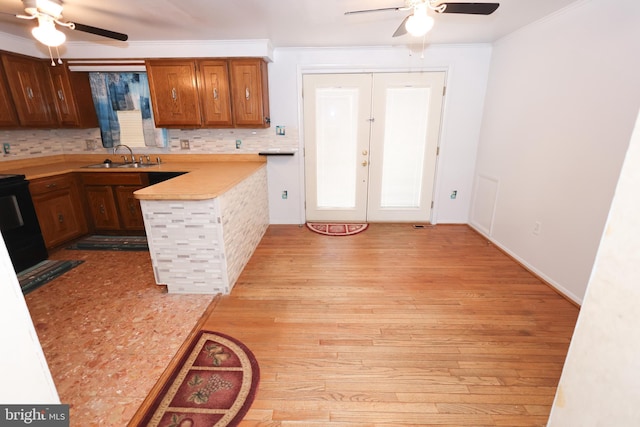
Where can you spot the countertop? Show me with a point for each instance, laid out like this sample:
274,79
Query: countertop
208,175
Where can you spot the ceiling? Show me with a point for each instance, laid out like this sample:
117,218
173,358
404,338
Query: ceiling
286,23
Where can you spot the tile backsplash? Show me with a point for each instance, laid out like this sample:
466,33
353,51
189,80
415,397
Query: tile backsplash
47,142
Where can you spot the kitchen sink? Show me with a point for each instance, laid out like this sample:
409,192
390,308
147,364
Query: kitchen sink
136,165
119,165
104,165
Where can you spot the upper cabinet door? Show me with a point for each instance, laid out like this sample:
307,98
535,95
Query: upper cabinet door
63,96
174,93
249,92
72,96
215,98
8,117
29,87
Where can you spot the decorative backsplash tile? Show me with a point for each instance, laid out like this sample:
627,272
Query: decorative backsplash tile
202,246
48,142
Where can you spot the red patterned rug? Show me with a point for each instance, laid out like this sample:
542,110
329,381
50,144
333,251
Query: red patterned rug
213,386
336,229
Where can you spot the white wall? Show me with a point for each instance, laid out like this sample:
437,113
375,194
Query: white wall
601,376
23,368
561,103
467,73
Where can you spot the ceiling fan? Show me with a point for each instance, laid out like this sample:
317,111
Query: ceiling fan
49,13
420,21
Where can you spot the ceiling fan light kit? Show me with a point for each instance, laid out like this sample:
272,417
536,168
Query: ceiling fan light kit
46,32
49,13
420,22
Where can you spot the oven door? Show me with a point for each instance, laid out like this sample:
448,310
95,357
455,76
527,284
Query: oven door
19,226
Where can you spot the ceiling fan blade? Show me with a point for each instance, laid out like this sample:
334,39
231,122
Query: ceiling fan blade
383,9
100,32
471,8
402,30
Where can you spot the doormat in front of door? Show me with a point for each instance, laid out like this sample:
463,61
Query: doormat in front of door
331,229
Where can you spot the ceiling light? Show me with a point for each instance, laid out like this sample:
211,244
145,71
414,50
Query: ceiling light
46,32
420,22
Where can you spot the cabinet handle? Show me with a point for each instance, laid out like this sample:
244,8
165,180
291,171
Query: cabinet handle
246,93
60,218
29,92
60,95
102,209
132,208
174,94
52,185
215,93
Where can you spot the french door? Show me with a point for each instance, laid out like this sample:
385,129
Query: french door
371,145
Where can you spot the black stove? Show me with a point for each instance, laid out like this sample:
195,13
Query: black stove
19,223
8,178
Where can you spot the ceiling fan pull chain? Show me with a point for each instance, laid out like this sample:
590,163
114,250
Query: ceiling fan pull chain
53,64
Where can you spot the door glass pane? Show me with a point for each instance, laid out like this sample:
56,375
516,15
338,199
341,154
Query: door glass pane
336,142
404,145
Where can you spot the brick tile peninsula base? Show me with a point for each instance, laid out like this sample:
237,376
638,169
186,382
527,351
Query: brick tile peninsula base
201,246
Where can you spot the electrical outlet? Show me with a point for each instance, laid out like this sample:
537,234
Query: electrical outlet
537,228
238,143
454,194
184,144
285,194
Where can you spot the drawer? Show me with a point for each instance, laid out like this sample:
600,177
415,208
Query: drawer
45,185
114,178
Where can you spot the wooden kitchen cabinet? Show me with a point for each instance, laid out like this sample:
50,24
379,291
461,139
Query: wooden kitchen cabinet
129,207
30,90
8,117
111,204
214,93
72,96
209,93
58,205
249,92
102,208
174,93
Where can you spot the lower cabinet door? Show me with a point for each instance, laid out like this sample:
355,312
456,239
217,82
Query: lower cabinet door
129,207
60,218
102,206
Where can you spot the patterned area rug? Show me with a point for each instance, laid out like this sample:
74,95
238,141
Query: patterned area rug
337,229
43,272
112,243
214,385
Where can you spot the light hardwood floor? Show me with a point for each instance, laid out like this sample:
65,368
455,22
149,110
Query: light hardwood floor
395,327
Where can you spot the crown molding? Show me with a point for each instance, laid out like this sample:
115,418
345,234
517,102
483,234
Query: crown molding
259,48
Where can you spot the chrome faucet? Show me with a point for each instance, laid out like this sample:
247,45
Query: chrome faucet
115,150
